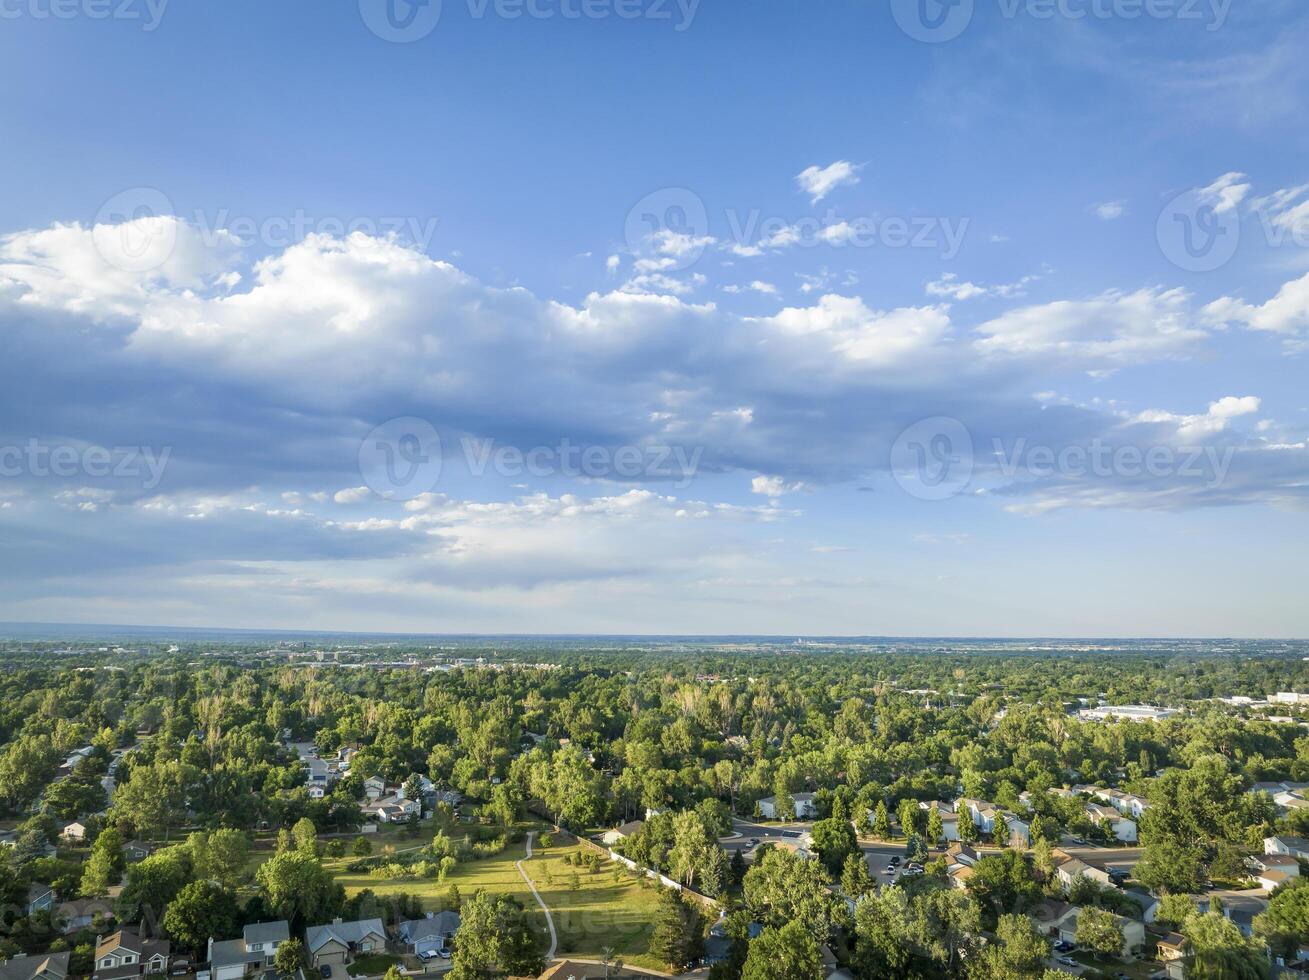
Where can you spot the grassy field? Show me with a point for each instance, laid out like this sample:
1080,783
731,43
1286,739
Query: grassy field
607,909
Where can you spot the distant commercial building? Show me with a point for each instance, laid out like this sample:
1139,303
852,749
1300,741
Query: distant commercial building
1126,712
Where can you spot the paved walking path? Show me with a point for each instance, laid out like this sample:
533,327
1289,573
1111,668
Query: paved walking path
549,919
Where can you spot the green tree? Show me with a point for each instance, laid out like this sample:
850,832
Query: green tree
855,878
1174,909
934,831
785,953
220,855
361,847
781,887
201,909
290,956
677,938
1003,883
1216,950
1171,864
834,840
1284,925
495,940
1019,953
153,883
1099,931
305,835
105,866
297,888
907,813
881,821
968,832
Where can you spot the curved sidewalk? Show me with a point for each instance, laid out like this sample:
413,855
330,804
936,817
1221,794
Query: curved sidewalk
549,919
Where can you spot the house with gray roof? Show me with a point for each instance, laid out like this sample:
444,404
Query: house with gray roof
429,935
44,966
340,942
232,959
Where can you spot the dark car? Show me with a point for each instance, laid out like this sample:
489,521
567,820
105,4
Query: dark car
325,971
896,859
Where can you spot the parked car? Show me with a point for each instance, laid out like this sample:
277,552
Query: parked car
325,971
895,859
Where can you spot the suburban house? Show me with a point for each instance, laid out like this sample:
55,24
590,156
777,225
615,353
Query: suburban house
1020,831
137,850
949,819
391,809
1274,862
960,859
1149,903
426,788
1070,868
802,803
340,942
959,853
74,832
39,898
1172,954
1064,927
374,787
126,954
718,944
1297,847
622,832
1128,804
80,913
42,966
1270,879
430,935
232,959
320,777
1114,822
984,814
1240,906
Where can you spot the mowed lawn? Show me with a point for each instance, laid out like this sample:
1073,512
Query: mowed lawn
497,875
610,907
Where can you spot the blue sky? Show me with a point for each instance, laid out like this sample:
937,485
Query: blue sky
866,329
